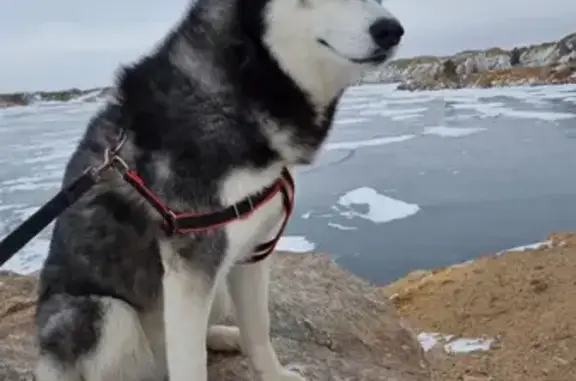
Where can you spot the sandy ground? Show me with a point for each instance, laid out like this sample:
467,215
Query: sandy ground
524,301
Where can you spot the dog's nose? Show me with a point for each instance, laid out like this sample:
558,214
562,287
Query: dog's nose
386,32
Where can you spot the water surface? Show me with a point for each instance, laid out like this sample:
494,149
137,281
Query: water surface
406,181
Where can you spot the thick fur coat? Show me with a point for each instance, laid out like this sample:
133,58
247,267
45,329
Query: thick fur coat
238,90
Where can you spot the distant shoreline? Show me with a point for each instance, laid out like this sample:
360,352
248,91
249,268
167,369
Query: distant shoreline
547,63
92,95
28,98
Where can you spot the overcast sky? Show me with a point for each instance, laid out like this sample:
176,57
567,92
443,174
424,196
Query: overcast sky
54,44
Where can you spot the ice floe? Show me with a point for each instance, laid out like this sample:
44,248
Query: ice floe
367,203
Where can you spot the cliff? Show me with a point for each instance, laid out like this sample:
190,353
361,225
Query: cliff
545,63
326,322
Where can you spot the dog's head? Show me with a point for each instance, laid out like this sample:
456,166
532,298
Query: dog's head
320,40
349,32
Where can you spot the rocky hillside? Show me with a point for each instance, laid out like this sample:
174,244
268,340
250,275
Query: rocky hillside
546,63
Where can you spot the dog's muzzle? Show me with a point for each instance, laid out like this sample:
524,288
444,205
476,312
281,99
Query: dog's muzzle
377,57
386,34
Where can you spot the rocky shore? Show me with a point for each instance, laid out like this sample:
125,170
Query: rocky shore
517,306
326,323
541,64
521,302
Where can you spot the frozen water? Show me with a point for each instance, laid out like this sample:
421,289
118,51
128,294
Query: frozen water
451,132
367,143
466,159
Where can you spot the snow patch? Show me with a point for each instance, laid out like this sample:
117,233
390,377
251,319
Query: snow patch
428,340
344,121
465,345
532,246
452,344
401,118
386,112
341,227
367,143
452,132
546,116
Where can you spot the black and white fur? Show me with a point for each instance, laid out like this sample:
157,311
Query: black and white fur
238,90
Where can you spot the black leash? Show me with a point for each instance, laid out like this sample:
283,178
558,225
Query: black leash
65,198
24,233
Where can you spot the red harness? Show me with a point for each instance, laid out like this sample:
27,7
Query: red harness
182,223
174,223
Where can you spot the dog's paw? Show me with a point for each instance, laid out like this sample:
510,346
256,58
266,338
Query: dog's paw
223,338
283,375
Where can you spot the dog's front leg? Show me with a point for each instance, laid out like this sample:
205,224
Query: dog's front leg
249,292
188,295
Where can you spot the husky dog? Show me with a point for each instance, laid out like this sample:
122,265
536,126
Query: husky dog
235,93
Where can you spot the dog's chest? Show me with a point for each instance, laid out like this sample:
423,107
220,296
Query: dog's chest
264,222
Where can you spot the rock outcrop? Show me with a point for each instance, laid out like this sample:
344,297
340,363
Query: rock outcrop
522,299
327,323
546,63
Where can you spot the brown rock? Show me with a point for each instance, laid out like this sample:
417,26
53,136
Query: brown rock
326,322
476,378
523,300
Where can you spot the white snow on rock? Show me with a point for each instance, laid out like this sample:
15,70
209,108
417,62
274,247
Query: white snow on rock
454,345
532,246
